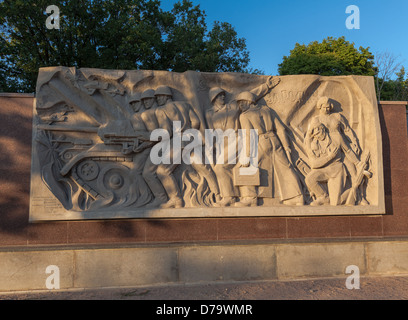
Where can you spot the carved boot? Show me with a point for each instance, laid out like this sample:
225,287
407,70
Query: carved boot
296,201
247,202
227,201
157,202
173,203
322,200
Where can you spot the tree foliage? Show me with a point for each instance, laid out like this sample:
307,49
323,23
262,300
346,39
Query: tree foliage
331,57
394,89
112,34
387,88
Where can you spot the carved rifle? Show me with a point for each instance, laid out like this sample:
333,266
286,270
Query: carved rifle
358,179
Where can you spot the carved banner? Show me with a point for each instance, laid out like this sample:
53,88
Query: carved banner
111,144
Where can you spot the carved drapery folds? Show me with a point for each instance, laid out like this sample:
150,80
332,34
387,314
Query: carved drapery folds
128,144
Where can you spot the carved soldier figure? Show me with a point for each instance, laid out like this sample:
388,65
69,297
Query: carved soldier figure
135,102
168,112
143,123
327,138
277,175
224,116
149,115
142,148
143,105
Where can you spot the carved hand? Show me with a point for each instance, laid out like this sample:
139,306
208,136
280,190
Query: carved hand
245,165
272,82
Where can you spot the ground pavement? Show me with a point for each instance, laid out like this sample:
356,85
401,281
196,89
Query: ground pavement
371,288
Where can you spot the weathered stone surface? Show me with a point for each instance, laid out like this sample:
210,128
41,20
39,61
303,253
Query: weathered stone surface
28,270
135,265
325,259
295,145
124,267
388,257
227,263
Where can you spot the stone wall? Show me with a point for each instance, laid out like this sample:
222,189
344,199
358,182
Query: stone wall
23,269
15,143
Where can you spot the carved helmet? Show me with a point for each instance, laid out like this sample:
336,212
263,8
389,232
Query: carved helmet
246,96
134,97
163,90
214,92
149,93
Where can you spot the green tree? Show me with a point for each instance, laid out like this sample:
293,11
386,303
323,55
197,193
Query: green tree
387,65
112,34
395,90
330,57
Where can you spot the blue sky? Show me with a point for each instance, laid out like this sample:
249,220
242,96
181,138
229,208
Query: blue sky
272,27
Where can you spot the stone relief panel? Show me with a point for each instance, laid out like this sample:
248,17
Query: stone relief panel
113,144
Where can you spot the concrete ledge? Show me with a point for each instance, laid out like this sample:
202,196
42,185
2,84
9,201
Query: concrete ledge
387,257
227,263
24,268
319,260
121,267
393,102
16,95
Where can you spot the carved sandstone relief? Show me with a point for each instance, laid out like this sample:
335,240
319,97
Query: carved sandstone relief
128,144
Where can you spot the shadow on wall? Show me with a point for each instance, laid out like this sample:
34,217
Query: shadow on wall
386,162
15,145
15,168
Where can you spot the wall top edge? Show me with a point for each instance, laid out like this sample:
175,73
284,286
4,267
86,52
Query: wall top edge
32,95
394,102
209,243
16,95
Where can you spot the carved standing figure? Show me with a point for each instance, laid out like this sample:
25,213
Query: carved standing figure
149,120
224,116
167,114
328,138
278,178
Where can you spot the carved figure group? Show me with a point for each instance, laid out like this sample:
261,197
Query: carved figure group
332,171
